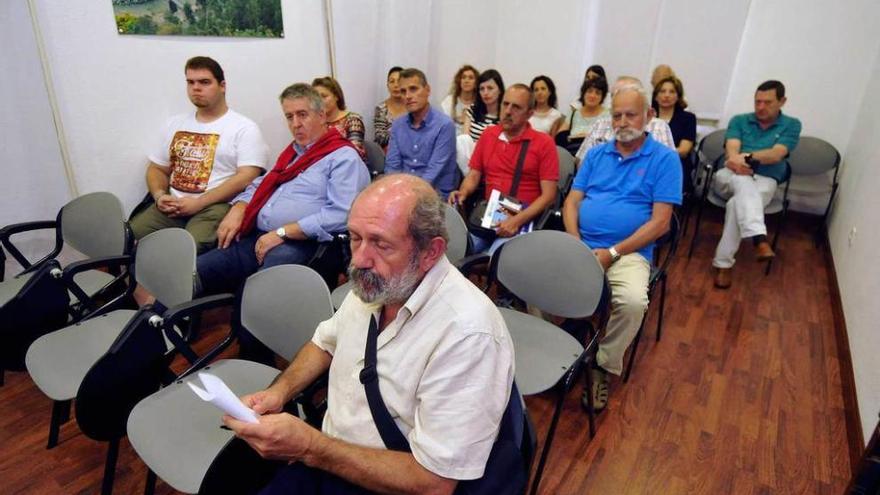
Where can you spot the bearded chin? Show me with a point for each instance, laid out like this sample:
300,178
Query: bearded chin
628,135
372,288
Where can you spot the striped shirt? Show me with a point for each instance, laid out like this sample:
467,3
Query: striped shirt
476,129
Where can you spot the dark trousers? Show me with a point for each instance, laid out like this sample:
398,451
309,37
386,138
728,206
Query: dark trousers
300,479
224,270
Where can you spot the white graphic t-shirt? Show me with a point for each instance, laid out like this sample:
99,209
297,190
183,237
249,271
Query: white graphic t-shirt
203,155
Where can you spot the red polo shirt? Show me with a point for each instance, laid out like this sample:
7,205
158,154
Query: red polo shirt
495,157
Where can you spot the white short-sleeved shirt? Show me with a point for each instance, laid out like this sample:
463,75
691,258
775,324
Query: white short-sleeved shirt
544,123
445,367
203,155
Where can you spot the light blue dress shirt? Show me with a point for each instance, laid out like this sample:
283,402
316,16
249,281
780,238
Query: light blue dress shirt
427,151
317,199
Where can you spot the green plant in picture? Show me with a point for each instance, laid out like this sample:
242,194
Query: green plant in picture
200,17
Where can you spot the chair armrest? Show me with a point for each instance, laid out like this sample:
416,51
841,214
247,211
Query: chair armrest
91,264
175,315
17,228
466,265
71,270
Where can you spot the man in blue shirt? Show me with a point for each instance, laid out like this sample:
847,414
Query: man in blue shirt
290,211
423,141
756,145
620,203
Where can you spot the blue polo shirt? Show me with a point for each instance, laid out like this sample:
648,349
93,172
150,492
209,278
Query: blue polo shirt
427,151
785,131
619,193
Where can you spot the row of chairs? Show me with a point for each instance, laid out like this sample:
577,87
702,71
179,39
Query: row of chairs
812,158
174,343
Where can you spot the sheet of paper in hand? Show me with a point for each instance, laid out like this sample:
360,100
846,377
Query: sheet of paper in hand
216,392
499,208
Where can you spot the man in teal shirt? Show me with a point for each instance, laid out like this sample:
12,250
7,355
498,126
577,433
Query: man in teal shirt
756,145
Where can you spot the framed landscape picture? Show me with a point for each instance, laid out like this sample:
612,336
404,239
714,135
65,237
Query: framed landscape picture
254,18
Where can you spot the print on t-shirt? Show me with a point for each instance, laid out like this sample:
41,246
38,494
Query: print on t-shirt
192,159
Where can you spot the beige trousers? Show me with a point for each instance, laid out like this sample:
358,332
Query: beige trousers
628,279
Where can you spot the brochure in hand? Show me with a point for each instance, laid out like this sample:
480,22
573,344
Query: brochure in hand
499,208
217,392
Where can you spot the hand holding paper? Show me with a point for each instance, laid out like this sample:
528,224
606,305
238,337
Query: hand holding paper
216,392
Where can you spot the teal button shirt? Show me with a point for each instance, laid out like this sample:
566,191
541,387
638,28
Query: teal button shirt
785,131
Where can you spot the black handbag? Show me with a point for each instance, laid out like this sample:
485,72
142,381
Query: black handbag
475,218
505,472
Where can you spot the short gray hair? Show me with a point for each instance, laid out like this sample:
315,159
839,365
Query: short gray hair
303,90
427,220
636,88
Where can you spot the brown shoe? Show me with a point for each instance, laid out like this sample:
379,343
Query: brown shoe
763,251
722,278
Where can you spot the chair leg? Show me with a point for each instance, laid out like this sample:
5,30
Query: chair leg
662,306
549,439
60,415
150,486
635,349
696,227
591,409
110,467
776,235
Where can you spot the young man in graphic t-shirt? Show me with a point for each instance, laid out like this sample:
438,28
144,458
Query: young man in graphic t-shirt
202,160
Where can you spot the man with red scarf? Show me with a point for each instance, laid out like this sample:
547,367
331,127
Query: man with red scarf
281,216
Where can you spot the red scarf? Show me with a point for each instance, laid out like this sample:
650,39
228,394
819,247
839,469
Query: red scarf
281,173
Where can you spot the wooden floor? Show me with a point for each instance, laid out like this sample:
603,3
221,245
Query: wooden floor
742,395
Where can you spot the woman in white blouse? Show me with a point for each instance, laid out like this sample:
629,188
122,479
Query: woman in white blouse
546,118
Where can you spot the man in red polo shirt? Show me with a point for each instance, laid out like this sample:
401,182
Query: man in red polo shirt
496,156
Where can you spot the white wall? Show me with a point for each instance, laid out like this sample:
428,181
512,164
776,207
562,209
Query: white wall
858,263
115,91
822,54
34,184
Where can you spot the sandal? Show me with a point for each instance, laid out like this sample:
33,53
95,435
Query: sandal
598,388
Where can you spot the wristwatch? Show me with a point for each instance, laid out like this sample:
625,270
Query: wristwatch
281,232
614,254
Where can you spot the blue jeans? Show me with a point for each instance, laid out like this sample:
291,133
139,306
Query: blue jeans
488,246
224,270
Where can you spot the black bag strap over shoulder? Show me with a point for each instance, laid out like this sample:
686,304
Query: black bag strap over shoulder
517,173
388,430
505,472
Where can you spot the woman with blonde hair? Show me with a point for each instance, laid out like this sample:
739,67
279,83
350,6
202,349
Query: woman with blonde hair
461,95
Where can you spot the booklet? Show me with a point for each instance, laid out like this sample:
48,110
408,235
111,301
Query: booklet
216,392
499,208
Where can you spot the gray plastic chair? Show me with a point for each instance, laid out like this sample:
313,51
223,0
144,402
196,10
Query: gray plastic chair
552,217
456,249
375,159
558,274
44,297
566,169
60,361
815,157
176,433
